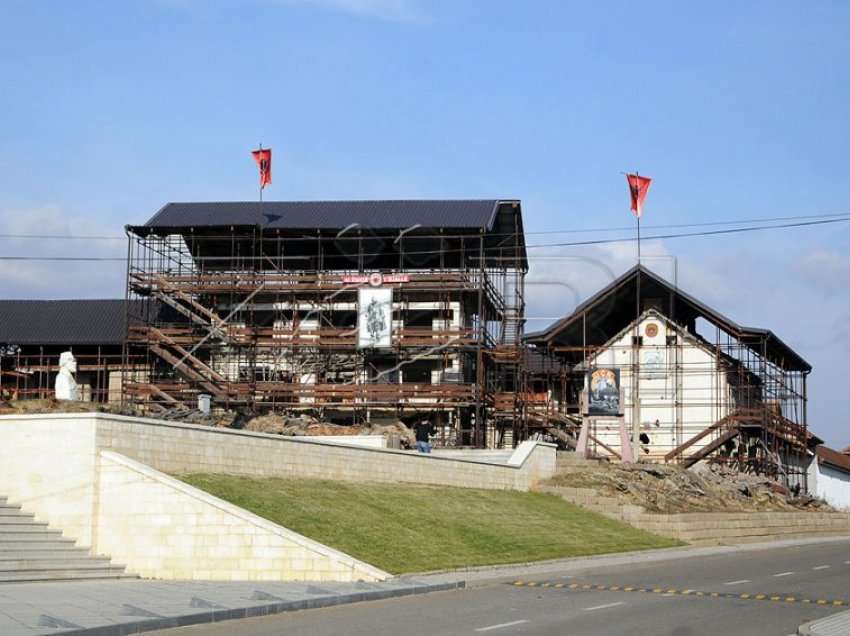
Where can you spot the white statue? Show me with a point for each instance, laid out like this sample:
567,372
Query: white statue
66,385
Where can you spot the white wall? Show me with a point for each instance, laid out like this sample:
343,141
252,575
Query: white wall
829,484
693,398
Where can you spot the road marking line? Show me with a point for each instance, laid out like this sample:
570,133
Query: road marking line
501,625
606,606
738,582
783,574
821,567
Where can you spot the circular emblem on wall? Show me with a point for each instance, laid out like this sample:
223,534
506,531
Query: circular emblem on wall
376,279
651,330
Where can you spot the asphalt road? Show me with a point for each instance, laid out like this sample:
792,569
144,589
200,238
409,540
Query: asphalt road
747,593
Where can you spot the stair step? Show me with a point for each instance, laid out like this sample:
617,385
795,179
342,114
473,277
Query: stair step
83,562
8,507
28,542
30,551
64,575
22,526
8,516
47,552
37,533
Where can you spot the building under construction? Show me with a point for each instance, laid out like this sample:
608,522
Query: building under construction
351,311
643,361
33,334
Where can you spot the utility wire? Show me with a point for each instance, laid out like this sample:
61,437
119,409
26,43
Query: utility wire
489,234
501,249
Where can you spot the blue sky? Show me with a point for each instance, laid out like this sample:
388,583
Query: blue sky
738,110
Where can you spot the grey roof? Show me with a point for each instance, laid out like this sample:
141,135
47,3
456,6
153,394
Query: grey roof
777,350
62,322
473,213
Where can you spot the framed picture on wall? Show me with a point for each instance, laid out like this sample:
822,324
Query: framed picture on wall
603,392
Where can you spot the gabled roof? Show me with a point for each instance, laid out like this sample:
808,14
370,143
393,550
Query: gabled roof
613,307
63,322
833,458
399,214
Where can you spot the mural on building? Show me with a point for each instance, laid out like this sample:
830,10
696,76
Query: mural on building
604,392
374,317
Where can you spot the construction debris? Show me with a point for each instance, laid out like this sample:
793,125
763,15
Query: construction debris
52,405
672,489
305,425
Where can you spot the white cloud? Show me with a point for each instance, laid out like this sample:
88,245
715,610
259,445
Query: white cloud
41,279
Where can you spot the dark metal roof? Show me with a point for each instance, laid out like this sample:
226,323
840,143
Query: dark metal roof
616,303
63,322
401,214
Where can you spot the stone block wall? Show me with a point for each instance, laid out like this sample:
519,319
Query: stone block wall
185,448
166,529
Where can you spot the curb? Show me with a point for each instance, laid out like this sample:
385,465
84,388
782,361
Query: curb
834,625
485,573
218,615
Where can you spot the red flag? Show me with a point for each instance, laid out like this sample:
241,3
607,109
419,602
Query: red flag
263,157
638,187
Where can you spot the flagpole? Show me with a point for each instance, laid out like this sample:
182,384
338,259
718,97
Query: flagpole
261,180
639,210
636,393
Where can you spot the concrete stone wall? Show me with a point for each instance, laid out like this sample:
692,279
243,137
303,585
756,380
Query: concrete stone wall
48,465
184,448
164,528
98,478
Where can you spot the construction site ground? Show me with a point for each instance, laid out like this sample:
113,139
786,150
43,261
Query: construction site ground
666,488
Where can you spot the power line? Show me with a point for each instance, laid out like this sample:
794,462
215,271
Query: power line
624,228
489,249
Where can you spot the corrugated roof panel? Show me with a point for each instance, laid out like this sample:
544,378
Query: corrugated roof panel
62,322
473,213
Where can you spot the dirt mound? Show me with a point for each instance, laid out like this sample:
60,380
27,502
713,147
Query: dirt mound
703,488
52,405
309,426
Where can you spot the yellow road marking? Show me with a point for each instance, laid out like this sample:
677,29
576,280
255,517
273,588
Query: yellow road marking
683,592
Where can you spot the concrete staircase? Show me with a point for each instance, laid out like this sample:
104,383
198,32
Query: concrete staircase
30,551
701,528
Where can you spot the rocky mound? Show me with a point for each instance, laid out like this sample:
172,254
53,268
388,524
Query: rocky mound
702,488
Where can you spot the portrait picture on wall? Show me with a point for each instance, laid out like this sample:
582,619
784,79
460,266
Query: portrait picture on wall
603,392
374,317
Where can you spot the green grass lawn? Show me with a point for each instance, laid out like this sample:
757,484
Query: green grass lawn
405,528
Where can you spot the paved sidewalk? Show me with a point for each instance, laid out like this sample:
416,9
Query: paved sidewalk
836,625
114,608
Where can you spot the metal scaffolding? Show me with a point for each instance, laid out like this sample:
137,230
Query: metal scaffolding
708,389
263,318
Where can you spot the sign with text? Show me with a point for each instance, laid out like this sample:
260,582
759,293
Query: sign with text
375,280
